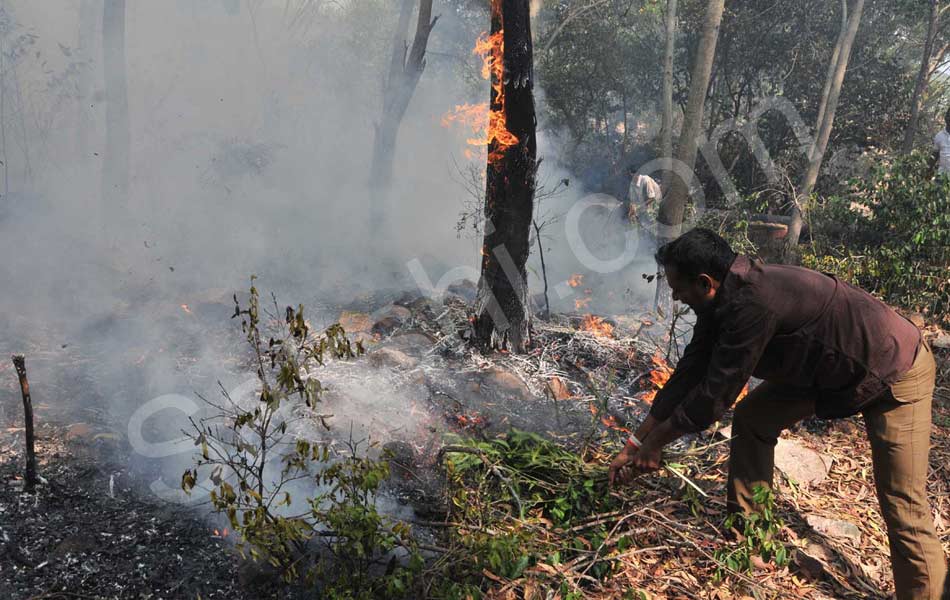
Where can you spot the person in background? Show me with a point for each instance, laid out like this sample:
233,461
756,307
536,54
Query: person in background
822,347
941,156
644,196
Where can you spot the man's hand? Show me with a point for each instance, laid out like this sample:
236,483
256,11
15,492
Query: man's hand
624,459
647,460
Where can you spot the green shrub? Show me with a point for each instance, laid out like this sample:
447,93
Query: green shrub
759,536
335,538
891,236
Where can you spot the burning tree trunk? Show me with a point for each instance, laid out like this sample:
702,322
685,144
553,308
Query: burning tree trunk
923,77
501,305
115,162
667,134
404,73
673,207
840,57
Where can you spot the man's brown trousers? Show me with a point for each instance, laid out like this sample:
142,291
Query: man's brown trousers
898,426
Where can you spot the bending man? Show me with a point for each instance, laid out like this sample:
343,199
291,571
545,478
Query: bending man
823,348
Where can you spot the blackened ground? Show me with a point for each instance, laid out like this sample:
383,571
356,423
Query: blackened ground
71,539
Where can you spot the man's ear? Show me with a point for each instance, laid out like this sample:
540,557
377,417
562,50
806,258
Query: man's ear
708,283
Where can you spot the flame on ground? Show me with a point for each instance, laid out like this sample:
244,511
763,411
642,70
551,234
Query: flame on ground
608,420
487,124
185,308
581,303
597,326
575,280
661,374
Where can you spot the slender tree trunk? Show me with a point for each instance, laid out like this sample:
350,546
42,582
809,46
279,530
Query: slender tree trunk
817,153
89,11
923,77
405,70
830,74
3,122
502,319
666,143
673,207
115,162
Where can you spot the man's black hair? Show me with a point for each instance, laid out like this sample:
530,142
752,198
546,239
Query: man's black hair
698,251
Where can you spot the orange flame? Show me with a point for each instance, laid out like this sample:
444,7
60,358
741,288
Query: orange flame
489,124
185,308
661,374
473,116
597,326
609,421
575,280
581,303
658,376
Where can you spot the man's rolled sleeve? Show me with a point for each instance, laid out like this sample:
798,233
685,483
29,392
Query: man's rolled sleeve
689,370
746,329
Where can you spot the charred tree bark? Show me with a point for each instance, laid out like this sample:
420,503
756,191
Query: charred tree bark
666,143
115,162
405,70
502,319
673,207
19,363
816,155
923,77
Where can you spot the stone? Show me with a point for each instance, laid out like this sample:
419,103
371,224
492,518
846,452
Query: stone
355,322
800,463
411,343
392,358
79,431
386,326
834,528
390,318
504,383
465,289
941,340
394,311
558,389
810,561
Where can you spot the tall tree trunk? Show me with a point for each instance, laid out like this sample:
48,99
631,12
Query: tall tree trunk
830,74
673,207
923,77
115,161
89,11
502,319
405,70
666,143
817,153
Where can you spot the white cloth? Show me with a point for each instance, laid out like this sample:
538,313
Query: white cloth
644,196
942,145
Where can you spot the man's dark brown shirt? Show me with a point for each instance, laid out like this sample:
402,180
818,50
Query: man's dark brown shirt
792,326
